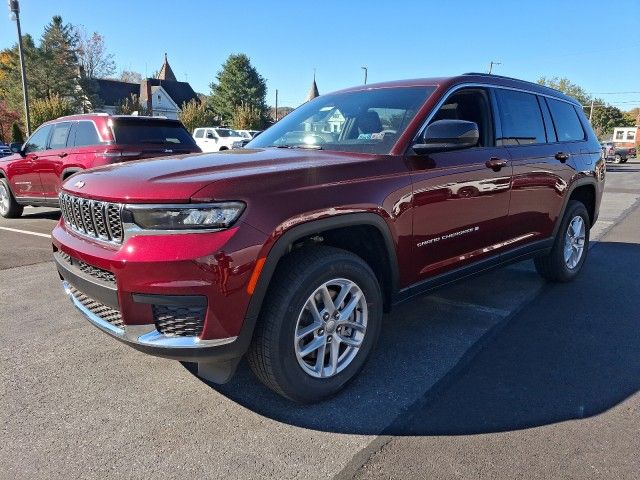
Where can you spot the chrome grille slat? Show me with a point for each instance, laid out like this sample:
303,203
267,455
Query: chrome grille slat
93,218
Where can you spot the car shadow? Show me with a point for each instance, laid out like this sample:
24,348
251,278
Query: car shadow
572,352
50,214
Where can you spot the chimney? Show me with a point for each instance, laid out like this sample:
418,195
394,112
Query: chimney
149,98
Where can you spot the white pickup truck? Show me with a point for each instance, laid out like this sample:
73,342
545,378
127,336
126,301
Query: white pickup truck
217,139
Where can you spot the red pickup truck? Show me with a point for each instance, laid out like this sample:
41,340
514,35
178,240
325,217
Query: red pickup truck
290,250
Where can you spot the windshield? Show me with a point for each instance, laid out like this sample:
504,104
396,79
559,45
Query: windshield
366,121
227,132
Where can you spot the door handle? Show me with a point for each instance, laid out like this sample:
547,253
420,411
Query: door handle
562,156
496,164
63,154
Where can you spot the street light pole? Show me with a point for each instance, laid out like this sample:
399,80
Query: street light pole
366,70
14,8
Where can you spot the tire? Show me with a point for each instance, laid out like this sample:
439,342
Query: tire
278,360
555,267
9,208
617,158
624,160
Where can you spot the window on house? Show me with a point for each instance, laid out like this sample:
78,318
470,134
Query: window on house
631,135
619,135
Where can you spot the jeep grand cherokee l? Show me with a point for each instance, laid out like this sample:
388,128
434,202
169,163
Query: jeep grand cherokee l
62,147
289,251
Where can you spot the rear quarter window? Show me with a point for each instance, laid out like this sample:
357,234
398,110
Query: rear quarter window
566,121
86,135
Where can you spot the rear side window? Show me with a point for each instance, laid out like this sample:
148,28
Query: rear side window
59,135
520,117
566,121
154,132
86,134
199,133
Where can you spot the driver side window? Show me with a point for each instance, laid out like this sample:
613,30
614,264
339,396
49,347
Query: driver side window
38,141
472,105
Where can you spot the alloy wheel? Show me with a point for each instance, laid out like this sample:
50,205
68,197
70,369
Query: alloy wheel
574,242
4,199
331,328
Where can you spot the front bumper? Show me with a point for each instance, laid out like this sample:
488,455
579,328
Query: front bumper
150,272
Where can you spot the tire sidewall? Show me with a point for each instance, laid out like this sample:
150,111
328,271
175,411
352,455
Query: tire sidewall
288,371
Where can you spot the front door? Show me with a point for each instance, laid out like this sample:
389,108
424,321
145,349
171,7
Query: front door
461,198
23,173
50,166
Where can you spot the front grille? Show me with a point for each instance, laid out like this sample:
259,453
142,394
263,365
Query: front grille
92,218
103,311
95,272
179,321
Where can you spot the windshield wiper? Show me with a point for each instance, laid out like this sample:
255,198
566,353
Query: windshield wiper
299,145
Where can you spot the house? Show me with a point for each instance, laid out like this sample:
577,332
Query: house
626,136
163,95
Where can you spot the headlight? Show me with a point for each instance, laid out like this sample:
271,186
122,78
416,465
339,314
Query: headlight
185,217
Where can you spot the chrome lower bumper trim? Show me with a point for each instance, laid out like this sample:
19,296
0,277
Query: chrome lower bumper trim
146,335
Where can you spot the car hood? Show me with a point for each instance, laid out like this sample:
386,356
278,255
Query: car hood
177,179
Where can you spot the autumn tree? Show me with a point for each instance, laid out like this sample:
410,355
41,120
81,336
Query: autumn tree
196,114
247,117
237,84
16,133
45,109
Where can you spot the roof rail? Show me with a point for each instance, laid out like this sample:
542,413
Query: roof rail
101,114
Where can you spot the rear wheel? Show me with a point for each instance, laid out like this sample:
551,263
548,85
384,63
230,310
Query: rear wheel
9,208
319,322
569,251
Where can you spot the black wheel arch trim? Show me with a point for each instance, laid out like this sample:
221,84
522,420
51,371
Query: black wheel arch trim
67,172
280,247
588,181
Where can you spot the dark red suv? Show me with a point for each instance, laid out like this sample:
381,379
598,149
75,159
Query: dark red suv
290,250
62,147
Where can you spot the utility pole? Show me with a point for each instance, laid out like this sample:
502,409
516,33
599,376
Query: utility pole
591,111
14,8
366,71
491,64
276,116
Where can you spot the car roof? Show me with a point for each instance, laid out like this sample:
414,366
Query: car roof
471,77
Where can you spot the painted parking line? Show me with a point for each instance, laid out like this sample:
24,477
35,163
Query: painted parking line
27,232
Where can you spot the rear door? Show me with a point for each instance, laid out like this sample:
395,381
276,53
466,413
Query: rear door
541,164
22,173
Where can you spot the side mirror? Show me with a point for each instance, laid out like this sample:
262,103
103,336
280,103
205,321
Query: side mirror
446,135
17,148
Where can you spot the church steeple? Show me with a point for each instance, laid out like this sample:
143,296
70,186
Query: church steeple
165,72
313,91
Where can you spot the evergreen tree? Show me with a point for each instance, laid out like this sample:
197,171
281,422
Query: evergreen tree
16,134
238,83
60,62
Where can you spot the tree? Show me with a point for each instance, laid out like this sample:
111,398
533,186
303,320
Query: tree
247,117
16,133
130,105
8,117
196,114
282,112
606,117
633,116
58,48
238,83
130,76
45,109
567,87
93,56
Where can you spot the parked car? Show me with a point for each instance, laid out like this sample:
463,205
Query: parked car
290,250
248,134
5,150
616,153
217,139
58,149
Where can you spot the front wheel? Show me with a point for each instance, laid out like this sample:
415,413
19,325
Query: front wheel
9,208
320,320
570,248
617,158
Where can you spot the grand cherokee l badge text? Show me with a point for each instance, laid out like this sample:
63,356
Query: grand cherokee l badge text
448,236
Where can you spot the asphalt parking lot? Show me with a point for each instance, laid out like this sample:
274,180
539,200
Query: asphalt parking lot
499,376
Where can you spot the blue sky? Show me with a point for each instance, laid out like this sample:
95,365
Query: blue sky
595,44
